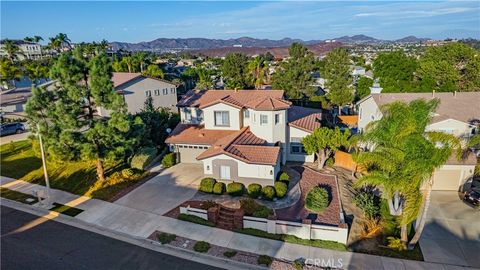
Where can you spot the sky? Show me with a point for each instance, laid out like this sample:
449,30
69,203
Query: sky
145,21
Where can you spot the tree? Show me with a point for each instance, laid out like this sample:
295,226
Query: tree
448,68
363,87
294,75
257,69
324,142
34,39
154,71
67,115
36,69
9,72
235,70
11,49
395,71
404,159
337,74
59,42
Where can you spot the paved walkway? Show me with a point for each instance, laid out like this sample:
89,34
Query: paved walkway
138,223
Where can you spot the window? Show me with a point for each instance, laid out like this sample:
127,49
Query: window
157,92
148,93
296,147
222,118
277,118
172,90
224,172
188,114
247,114
165,91
263,119
199,115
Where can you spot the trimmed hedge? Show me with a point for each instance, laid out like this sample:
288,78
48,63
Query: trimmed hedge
284,177
235,189
195,219
317,199
268,192
143,157
169,160
206,185
219,188
254,209
281,189
254,190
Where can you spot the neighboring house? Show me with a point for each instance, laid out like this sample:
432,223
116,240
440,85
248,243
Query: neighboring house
241,135
136,88
458,114
13,102
28,50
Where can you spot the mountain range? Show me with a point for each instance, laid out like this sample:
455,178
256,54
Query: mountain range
162,44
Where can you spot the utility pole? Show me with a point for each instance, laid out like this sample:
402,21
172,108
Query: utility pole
45,173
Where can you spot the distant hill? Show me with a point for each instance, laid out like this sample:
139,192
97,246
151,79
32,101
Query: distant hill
411,39
361,39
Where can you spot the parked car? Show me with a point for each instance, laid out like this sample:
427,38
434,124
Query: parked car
11,128
472,197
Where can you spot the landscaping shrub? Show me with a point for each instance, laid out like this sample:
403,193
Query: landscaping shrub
329,162
254,209
166,238
367,202
143,157
230,253
195,219
317,199
389,222
265,260
201,246
395,243
208,204
284,177
218,188
254,190
169,160
235,189
280,189
298,264
127,173
268,192
206,185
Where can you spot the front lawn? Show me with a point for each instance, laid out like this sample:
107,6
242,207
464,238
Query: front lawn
20,161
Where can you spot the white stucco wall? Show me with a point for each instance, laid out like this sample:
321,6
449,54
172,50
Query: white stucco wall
452,126
270,132
297,133
368,111
234,116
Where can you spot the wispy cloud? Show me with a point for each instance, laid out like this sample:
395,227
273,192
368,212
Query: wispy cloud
417,13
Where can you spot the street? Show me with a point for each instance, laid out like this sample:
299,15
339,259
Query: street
14,137
52,245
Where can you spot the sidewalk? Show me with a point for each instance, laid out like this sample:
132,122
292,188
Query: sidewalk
140,224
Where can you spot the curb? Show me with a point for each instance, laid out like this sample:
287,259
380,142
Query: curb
141,242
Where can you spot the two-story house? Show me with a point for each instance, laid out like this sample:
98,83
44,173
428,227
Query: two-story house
241,135
457,114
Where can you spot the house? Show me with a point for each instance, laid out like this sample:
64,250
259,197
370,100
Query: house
241,135
457,114
136,88
28,50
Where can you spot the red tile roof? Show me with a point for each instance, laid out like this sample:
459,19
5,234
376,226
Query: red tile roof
196,134
306,119
255,99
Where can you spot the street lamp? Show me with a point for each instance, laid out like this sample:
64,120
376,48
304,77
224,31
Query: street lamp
44,162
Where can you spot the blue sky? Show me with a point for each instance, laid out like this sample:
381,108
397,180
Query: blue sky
145,21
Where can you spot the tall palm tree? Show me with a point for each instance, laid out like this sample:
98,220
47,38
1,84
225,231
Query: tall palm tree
59,42
258,70
11,49
404,158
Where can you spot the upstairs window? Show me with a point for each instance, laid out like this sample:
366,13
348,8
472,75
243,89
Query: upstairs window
157,92
165,91
263,119
172,90
277,118
247,114
148,93
222,118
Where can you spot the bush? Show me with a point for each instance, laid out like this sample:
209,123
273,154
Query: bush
218,188
367,202
208,204
317,199
127,173
206,185
265,260
195,219
230,253
284,177
201,246
169,160
329,162
143,158
395,243
254,190
298,264
252,208
281,189
166,238
268,193
235,189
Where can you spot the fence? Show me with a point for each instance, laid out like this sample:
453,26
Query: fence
345,160
194,212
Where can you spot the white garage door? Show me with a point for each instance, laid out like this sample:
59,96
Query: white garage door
188,154
446,180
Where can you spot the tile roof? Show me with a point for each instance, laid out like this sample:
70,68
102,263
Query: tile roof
196,134
306,119
119,78
466,159
255,99
245,146
462,106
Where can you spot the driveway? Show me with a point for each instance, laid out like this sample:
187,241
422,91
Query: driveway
165,191
452,231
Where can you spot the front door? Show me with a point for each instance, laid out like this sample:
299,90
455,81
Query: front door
225,172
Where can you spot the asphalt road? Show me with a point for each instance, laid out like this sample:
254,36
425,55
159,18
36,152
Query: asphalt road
14,138
52,245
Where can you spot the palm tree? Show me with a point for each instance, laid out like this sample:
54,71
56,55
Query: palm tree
404,158
12,50
34,39
59,42
258,70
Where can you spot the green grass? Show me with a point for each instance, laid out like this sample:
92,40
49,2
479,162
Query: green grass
195,219
66,210
415,254
19,160
294,240
17,196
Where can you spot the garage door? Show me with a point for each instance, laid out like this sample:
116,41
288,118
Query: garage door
446,180
188,155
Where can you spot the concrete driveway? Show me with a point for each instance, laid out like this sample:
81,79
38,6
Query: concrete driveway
167,190
452,231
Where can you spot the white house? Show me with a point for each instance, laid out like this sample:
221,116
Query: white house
28,50
241,135
457,114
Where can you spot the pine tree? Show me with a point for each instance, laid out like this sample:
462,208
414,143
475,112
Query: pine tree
338,79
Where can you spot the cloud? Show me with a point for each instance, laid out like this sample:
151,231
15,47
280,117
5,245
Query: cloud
418,13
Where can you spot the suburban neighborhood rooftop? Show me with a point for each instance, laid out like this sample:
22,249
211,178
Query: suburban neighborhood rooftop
306,119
